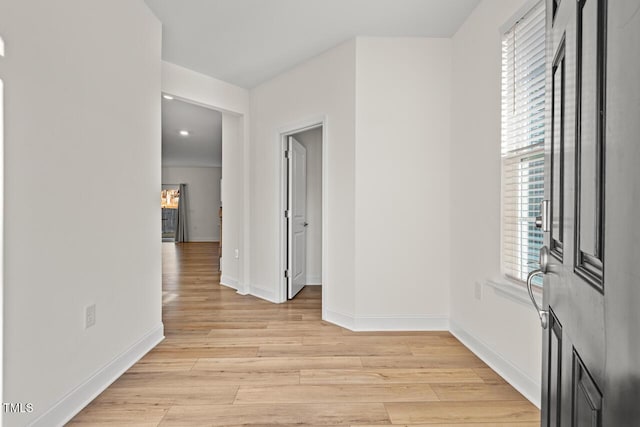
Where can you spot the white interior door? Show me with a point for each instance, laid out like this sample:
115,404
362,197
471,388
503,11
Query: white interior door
297,217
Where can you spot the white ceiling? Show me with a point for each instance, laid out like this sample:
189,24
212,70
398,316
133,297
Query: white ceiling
203,147
247,42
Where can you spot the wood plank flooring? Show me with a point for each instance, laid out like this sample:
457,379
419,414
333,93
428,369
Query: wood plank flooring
232,360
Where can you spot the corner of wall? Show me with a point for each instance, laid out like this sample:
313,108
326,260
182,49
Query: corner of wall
479,321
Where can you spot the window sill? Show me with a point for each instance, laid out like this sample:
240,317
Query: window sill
514,291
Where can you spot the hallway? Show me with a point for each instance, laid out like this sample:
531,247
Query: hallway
237,360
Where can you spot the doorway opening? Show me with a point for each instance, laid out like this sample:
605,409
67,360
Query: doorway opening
190,198
202,158
191,172
303,227
170,203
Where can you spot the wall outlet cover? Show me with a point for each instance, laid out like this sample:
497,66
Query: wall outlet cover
90,316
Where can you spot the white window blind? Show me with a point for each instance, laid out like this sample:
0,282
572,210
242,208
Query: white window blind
523,126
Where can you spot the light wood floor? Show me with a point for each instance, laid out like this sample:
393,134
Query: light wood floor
237,360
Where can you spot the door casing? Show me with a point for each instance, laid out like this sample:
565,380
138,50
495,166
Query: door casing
282,138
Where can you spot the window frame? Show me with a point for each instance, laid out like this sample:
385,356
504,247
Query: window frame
517,156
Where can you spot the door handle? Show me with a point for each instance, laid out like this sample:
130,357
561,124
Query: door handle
542,314
305,224
544,265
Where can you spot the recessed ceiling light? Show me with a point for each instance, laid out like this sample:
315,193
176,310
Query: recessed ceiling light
169,97
184,132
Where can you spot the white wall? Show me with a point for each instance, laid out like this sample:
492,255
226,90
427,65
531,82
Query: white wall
509,328
384,176
233,102
82,101
312,141
322,86
403,88
203,199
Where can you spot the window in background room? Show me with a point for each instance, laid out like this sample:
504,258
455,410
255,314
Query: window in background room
523,127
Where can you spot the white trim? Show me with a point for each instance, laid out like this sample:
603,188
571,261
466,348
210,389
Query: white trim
208,92
191,166
512,291
2,225
401,323
244,263
74,401
315,280
264,294
341,319
281,180
229,282
324,267
234,284
204,240
388,323
243,289
529,387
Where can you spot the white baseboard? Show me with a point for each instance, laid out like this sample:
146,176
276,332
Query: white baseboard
233,283
401,323
203,240
530,388
341,319
263,294
229,282
67,407
387,323
314,280
242,290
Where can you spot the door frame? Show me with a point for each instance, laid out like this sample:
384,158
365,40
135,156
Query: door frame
241,279
283,134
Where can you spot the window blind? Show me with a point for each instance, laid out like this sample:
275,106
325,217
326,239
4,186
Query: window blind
523,127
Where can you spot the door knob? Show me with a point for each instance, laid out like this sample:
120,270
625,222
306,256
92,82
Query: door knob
305,224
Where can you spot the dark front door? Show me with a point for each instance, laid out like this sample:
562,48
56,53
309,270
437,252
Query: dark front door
591,258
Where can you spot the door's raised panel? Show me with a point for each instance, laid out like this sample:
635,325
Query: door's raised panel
557,151
554,364
590,141
587,398
299,244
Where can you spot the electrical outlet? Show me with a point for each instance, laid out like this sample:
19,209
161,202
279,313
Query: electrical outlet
478,290
90,316
237,253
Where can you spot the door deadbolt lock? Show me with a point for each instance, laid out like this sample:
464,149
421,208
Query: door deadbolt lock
542,221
